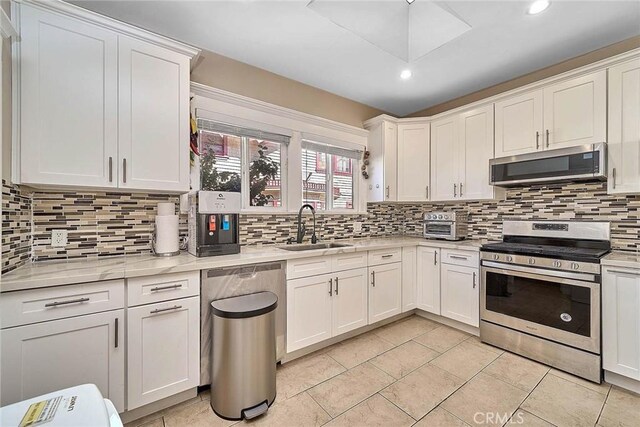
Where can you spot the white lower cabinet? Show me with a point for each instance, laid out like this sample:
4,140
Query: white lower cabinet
385,291
428,280
621,321
409,276
163,350
349,301
460,293
309,311
48,356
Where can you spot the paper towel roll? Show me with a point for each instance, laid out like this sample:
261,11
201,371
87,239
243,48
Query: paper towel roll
166,208
167,235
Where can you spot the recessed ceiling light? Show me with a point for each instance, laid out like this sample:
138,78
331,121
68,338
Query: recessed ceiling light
405,74
538,6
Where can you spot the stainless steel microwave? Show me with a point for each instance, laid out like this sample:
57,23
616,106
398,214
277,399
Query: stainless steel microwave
583,162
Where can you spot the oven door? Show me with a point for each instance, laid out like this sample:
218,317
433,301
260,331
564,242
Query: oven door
439,229
560,309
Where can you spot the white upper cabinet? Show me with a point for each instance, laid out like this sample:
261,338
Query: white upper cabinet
519,127
575,111
413,161
154,117
624,128
444,158
99,108
475,150
383,160
68,101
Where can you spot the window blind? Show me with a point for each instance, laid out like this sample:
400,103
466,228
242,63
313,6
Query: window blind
331,149
212,126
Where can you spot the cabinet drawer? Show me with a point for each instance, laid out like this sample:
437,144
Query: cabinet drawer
164,287
308,267
462,258
40,305
349,261
385,256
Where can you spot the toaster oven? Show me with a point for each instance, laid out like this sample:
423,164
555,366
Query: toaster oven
445,225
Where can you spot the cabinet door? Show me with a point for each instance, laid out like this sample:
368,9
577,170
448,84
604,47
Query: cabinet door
624,128
475,151
309,311
413,162
444,159
385,291
48,356
428,279
519,128
390,162
409,275
460,296
163,356
349,303
575,111
621,321
154,117
68,101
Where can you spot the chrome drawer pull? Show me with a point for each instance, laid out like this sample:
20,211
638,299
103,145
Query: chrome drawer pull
160,310
632,273
464,258
162,288
387,256
71,301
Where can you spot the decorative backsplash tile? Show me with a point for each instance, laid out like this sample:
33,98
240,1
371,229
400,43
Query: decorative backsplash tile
16,226
107,224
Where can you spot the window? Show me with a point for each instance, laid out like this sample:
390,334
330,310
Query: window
242,160
327,176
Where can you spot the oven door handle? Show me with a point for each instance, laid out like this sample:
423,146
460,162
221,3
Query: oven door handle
578,279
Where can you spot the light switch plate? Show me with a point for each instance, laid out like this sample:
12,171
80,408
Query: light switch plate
357,227
59,238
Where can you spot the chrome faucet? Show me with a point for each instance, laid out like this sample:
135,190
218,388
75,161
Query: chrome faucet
302,229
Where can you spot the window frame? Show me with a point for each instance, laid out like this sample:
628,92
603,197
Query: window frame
245,185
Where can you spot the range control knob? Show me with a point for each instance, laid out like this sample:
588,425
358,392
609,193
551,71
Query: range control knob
509,258
575,266
446,217
439,216
496,256
532,261
557,264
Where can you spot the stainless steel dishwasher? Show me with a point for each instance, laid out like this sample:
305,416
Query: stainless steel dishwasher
228,282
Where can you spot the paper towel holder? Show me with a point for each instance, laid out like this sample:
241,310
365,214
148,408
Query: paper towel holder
153,246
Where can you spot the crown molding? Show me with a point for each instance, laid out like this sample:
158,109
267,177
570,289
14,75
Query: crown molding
76,12
6,26
265,107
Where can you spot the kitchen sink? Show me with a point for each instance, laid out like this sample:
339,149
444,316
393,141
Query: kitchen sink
313,247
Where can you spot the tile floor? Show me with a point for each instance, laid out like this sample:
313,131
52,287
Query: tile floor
419,372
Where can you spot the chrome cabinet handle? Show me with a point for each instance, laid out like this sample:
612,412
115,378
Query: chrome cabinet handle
537,140
427,195
110,169
464,258
631,273
162,288
547,138
161,310
474,280
455,188
373,278
124,170
388,191
435,258
330,287
387,256
71,301
614,178
460,189
117,338
336,286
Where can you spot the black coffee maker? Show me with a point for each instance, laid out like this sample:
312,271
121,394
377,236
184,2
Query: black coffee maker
214,223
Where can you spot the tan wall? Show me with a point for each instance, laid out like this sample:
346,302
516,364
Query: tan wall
6,102
562,67
227,74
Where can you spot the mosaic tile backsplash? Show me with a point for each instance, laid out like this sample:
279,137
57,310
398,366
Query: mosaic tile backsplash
106,224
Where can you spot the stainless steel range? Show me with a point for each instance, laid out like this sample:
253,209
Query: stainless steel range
540,293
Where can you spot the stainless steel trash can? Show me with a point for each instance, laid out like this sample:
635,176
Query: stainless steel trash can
243,355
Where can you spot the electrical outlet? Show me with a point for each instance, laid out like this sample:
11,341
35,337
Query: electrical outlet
59,238
357,227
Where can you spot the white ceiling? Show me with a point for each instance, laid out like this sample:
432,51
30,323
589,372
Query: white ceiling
288,38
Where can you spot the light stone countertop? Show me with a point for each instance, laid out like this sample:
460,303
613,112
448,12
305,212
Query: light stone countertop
56,273
621,259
